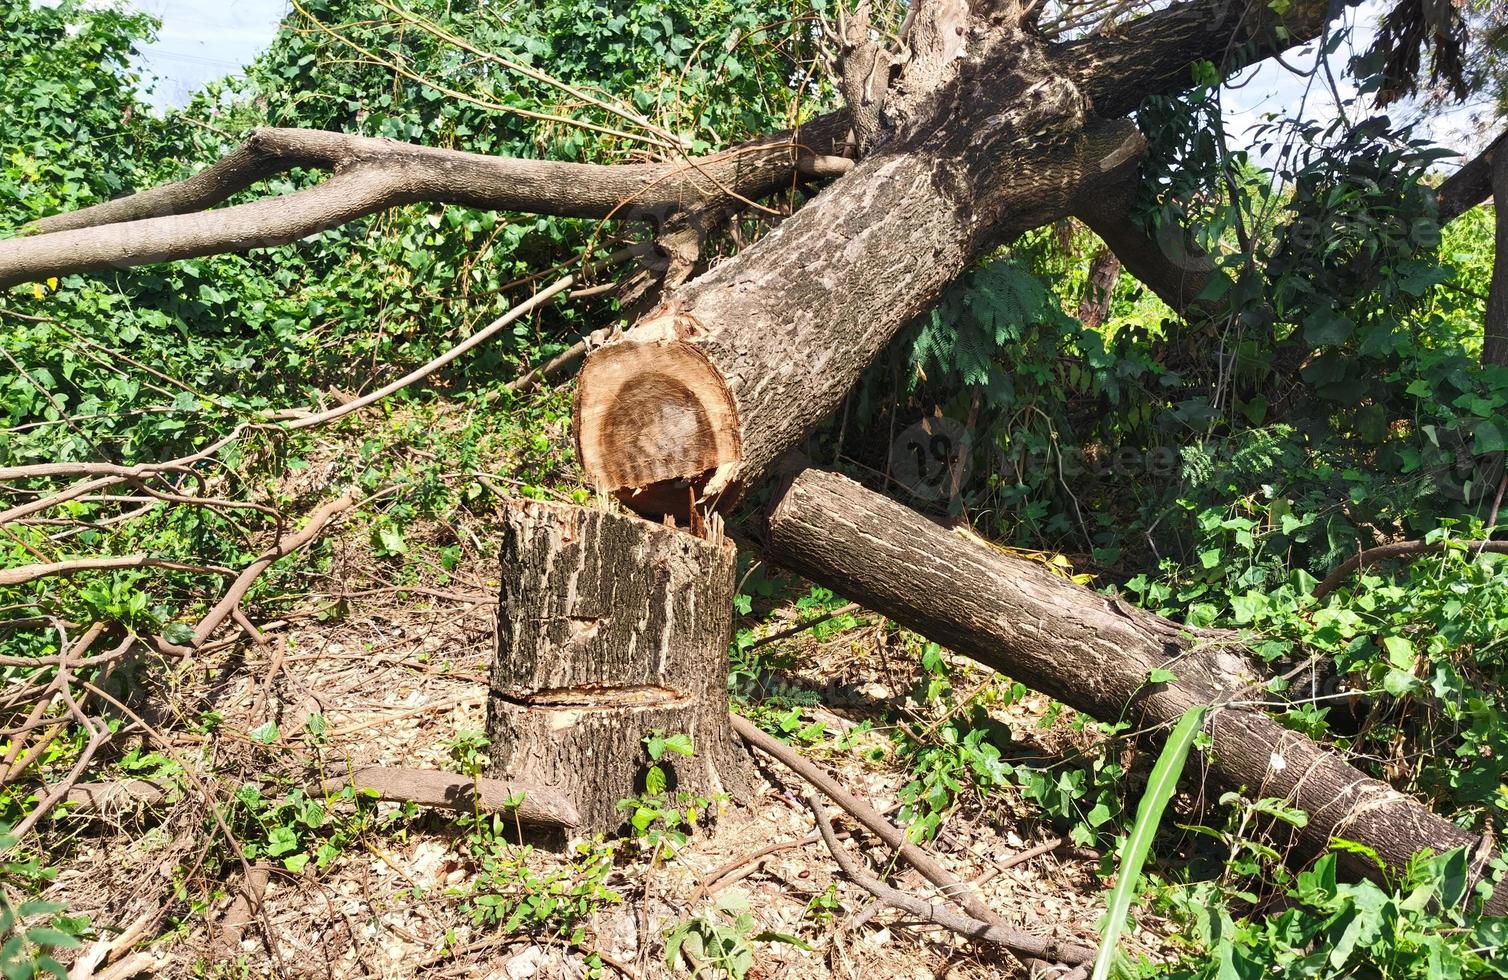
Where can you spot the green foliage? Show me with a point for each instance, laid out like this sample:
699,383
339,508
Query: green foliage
787,724
715,948
822,602
468,752
659,814
968,757
31,930
1160,787
1413,655
988,310
958,762
294,828
511,894
69,86
1424,925
1357,235
824,906
754,680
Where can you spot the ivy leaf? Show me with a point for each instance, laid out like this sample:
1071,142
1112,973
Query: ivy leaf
280,841
1399,683
45,936
654,781
178,634
1490,436
1326,327
1400,652
680,744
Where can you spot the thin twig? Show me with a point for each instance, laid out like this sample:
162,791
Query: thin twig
1021,857
243,583
804,626
480,103
542,298
548,369
712,882
22,574
669,139
947,883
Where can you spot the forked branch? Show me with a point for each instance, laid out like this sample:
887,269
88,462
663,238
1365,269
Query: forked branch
371,175
1025,944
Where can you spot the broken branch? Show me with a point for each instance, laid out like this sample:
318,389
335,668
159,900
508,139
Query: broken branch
371,175
530,803
1012,939
543,298
1399,549
951,887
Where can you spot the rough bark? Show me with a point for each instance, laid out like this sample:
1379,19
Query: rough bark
609,628
865,75
1495,327
371,175
1089,651
1099,288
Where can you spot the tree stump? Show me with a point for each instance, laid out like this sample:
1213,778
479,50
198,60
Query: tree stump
610,628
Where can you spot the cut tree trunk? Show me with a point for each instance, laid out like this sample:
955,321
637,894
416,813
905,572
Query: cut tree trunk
712,388
610,628
1093,653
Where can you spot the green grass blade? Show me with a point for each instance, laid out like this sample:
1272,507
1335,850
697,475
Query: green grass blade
1148,816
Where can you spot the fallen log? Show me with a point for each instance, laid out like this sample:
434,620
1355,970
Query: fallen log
1093,653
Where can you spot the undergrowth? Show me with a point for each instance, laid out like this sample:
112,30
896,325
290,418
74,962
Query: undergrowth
1212,471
